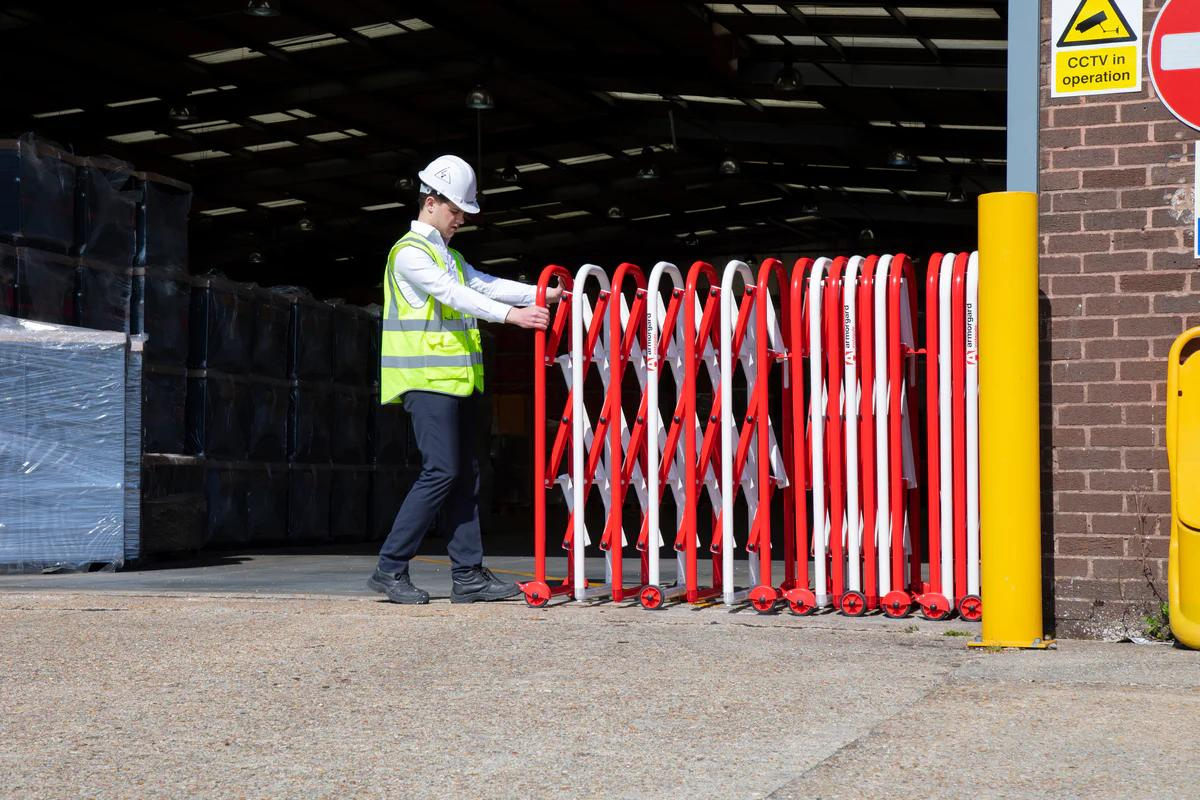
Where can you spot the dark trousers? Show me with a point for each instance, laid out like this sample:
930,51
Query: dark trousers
446,492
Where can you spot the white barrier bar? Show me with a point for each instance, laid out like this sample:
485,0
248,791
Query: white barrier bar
883,535
817,401
581,441
655,435
729,313
946,425
972,357
850,389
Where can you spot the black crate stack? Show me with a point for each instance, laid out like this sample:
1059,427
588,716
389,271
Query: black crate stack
174,508
237,404
394,454
259,419
355,348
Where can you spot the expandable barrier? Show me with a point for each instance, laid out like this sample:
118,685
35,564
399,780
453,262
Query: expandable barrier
808,388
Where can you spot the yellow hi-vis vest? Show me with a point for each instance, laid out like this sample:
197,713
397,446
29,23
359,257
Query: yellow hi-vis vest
430,347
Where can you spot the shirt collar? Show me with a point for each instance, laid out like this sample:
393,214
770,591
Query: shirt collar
428,231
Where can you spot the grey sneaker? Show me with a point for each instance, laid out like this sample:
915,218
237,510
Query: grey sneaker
398,588
481,584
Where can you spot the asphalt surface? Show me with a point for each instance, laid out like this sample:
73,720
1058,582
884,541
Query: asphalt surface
114,692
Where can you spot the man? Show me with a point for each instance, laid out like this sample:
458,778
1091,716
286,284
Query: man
431,361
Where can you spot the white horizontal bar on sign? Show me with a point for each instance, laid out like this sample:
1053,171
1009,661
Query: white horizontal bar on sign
1181,51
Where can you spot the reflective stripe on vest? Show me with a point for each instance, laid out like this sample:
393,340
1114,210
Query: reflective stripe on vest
410,362
430,348
428,325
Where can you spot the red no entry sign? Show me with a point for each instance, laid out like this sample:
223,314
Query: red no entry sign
1174,59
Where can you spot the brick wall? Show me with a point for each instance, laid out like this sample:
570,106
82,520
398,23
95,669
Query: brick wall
1119,284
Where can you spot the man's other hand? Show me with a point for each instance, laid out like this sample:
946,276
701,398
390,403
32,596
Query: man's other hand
531,317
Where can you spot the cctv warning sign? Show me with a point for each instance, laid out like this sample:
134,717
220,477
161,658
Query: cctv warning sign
1096,22
1097,47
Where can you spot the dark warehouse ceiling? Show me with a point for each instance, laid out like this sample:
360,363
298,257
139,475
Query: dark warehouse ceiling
308,125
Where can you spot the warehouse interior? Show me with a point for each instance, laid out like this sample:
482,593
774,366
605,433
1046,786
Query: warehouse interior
600,133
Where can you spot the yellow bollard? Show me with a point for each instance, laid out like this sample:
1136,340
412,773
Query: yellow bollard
1183,455
1009,459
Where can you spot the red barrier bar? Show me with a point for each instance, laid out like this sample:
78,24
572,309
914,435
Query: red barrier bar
958,389
866,429
621,340
900,283
834,440
545,346
765,596
801,597
700,336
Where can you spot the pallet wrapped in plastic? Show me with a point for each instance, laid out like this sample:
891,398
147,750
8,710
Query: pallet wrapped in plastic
218,415
8,279
272,327
350,516
162,223
355,345
46,287
309,415
62,447
349,424
164,408
162,303
310,491
106,210
267,502
310,348
134,365
225,504
222,325
37,193
174,508
268,425
103,298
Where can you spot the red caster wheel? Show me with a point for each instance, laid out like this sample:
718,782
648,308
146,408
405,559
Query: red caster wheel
537,594
801,602
934,606
652,597
854,604
763,598
896,604
970,608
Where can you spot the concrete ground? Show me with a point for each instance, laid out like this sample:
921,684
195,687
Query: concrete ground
276,676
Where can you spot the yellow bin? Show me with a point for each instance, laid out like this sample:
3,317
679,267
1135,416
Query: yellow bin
1183,454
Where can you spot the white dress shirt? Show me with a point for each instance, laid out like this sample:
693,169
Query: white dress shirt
484,296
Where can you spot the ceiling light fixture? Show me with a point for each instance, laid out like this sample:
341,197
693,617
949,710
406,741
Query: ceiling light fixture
255,257
649,169
691,240
480,99
788,79
615,212
510,173
866,236
956,194
262,8
305,224
181,112
729,166
899,158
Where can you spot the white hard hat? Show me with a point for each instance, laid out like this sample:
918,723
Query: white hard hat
452,178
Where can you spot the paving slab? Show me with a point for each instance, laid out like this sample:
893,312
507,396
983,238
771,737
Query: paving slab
119,694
